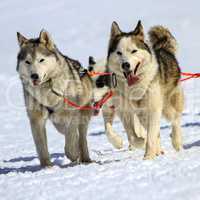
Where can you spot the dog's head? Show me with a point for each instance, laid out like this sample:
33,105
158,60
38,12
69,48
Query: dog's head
99,67
37,58
100,82
128,53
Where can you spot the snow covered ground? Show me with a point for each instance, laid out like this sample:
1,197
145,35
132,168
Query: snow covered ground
80,29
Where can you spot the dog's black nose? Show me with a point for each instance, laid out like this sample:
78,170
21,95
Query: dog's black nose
126,66
34,76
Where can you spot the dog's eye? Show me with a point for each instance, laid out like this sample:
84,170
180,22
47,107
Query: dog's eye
119,53
27,62
134,51
41,60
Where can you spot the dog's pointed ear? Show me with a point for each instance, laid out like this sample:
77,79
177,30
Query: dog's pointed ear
21,39
115,30
92,60
139,31
46,39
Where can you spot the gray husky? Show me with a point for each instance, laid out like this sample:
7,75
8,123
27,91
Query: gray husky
48,77
147,88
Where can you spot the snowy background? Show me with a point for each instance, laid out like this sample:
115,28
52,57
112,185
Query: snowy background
81,28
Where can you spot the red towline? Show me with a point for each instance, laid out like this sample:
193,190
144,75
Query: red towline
189,76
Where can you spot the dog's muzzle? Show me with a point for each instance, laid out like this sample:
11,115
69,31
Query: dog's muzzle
130,75
35,79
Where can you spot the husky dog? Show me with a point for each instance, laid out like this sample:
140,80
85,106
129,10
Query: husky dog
47,78
101,88
148,86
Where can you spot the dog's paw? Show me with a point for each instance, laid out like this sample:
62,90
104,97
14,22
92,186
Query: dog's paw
113,137
160,152
89,162
46,163
116,141
149,157
177,145
176,142
85,161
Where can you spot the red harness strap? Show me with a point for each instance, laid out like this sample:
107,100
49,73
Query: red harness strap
100,103
189,76
97,105
99,73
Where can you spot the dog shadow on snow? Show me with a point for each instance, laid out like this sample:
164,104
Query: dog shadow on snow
193,144
29,168
55,156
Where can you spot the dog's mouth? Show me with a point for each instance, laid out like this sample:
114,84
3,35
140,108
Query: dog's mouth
39,82
36,82
131,76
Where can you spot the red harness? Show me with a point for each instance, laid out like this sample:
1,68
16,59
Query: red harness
97,106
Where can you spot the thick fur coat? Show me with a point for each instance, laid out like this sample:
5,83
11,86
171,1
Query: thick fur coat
148,86
47,78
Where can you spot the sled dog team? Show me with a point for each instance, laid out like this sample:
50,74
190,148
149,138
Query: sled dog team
146,77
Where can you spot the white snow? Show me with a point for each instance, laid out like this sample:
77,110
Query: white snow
80,29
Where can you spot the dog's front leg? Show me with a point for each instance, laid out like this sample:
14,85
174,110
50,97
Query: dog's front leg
84,152
84,119
153,129
154,103
113,137
72,142
38,122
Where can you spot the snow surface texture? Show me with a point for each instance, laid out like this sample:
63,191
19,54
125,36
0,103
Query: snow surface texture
80,29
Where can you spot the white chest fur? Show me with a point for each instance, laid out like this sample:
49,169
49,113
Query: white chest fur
44,96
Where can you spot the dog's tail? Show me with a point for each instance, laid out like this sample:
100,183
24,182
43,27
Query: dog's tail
165,46
161,38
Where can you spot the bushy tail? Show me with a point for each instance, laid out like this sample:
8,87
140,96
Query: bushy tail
165,46
161,38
